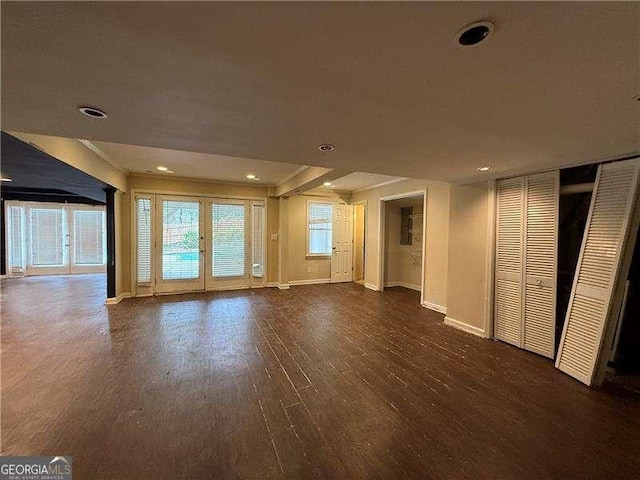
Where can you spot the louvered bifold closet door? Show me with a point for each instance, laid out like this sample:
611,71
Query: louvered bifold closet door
594,282
540,252
509,249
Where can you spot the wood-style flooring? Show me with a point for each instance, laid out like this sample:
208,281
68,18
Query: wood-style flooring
322,381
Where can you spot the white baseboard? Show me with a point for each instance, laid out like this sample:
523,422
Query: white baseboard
310,282
403,284
283,286
435,307
371,286
118,299
452,322
272,284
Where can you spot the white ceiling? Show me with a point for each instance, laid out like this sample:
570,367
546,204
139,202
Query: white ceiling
136,159
382,81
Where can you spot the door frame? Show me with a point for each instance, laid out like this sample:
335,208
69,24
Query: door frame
158,253
364,240
145,290
382,236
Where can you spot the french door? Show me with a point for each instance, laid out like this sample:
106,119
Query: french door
235,244
53,239
198,244
179,244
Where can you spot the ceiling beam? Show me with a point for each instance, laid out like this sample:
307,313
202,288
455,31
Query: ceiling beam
78,155
307,179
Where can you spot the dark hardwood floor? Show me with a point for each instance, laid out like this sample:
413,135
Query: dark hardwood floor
324,381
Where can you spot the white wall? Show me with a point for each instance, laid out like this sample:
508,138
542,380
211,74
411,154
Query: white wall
467,293
437,234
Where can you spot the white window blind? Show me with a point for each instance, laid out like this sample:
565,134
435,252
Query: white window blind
16,239
89,237
257,242
180,240
228,240
319,217
47,237
143,239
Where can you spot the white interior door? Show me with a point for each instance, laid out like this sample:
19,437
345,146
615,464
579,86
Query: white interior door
509,268
342,243
228,245
180,244
541,242
597,272
49,239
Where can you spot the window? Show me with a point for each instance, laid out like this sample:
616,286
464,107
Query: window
319,219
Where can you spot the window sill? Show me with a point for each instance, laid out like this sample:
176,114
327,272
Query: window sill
317,256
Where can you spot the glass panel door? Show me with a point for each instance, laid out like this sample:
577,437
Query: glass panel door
228,253
49,246
180,240
88,245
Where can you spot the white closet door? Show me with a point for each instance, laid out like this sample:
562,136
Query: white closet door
509,249
541,238
597,268
342,236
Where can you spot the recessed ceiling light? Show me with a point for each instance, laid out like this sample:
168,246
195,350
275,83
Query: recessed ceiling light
256,179
327,184
326,147
92,112
162,169
5,179
474,34
251,176
484,169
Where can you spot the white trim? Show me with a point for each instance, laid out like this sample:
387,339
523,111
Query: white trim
283,286
5,276
382,184
403,284
465,327
313,281
490,255
435,307
117,299
371,286
100,153
272,284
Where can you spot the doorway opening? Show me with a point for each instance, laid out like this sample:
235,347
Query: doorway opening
402,235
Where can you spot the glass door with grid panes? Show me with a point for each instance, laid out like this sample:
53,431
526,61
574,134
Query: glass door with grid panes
180,244
54,239
234,244
190,244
